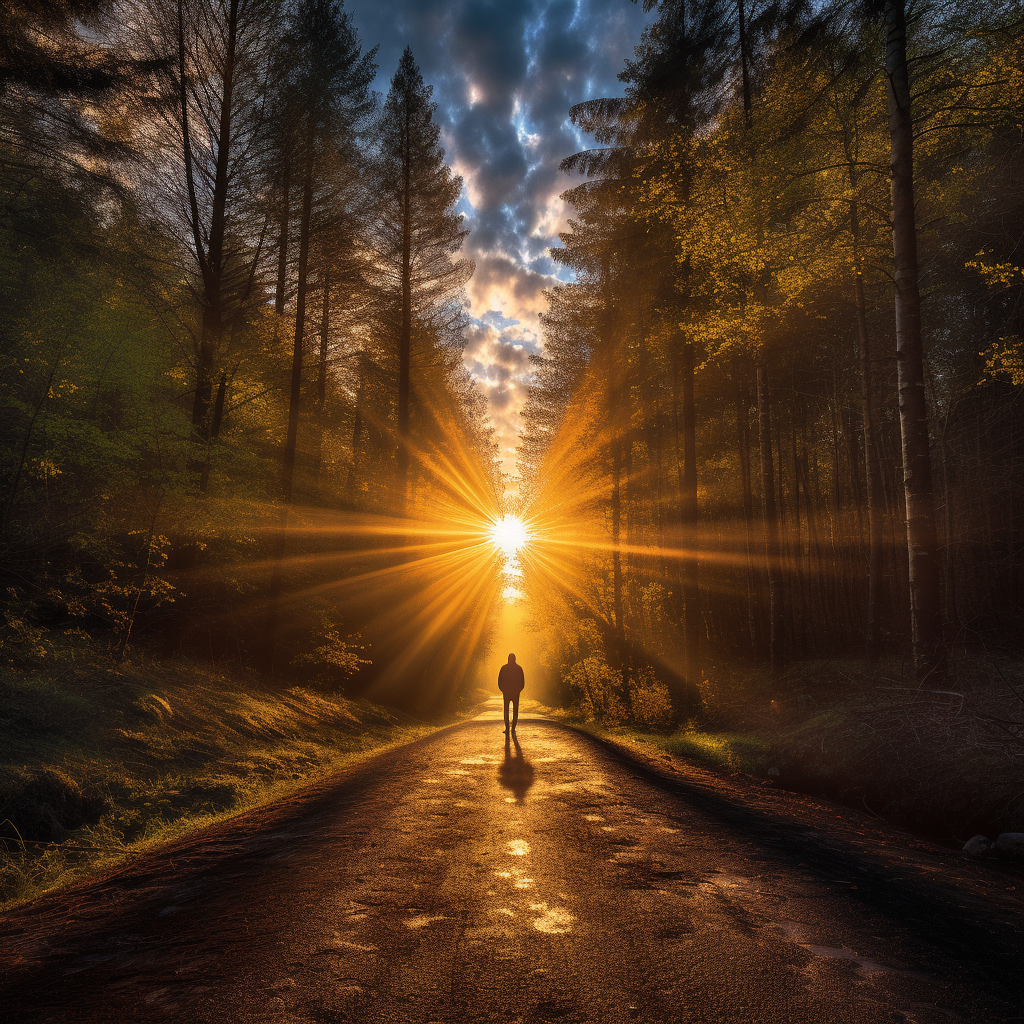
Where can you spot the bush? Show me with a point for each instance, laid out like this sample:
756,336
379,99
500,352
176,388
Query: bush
650,702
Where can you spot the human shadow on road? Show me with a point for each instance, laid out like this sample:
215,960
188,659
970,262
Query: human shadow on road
515,772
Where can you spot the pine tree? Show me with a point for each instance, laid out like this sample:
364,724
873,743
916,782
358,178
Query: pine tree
330,86
329,83
418,232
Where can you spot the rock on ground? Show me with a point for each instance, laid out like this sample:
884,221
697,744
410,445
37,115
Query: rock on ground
979,846
1011,844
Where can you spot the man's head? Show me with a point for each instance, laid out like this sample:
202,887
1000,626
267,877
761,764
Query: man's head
511,659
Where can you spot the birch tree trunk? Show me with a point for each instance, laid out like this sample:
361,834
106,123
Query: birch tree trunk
922,542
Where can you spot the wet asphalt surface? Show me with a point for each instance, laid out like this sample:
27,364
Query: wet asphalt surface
463,879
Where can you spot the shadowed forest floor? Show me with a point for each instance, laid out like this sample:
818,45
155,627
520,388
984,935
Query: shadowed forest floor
947,761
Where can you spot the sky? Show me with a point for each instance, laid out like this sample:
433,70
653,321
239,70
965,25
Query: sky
504,74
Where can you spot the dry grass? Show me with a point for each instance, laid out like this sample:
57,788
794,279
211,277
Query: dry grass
98,762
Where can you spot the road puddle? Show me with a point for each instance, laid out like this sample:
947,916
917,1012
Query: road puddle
339,944
796,932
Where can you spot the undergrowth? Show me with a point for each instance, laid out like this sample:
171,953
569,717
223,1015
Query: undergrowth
946,759
98,762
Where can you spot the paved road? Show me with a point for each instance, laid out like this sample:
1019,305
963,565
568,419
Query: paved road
461,879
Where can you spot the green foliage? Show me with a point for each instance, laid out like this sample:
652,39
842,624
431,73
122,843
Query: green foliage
613,697
336,658
600,687
649,702
736,212
144,396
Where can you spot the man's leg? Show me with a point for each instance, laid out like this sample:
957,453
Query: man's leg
515,712
506,712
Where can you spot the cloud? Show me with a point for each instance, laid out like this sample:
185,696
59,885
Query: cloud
504,76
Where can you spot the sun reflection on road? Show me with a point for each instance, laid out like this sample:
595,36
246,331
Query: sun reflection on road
552,920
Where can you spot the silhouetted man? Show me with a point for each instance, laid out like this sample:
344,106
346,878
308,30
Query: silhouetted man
511,682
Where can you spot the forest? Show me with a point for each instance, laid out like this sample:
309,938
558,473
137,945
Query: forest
511,510
781,396
233,396
769,508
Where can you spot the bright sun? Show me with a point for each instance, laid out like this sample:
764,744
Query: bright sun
509,535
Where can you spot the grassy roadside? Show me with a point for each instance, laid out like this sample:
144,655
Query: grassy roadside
98,762
946,760
747,753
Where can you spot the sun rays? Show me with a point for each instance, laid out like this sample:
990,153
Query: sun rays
429,594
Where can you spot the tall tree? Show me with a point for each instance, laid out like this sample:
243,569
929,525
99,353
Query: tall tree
418,232
331,87
918,490
330,79
670,84
208,156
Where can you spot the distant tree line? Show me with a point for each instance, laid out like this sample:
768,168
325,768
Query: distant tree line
233,302
782,399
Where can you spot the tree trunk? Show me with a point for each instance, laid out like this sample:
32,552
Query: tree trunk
210,257
776,654
837,534
688,517
743,431
922,542
218,416
357,431
798,591
872,471
321,373
282,238
295,397
405,337
744,62
295,394
616,527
